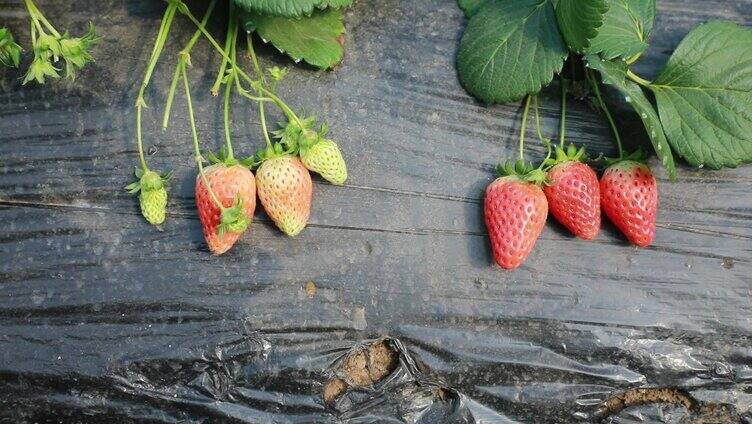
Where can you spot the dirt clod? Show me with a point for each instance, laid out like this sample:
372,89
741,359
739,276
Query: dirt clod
362,368
310,288
334,389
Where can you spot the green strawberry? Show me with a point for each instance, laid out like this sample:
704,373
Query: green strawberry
153,195
323,157
318,154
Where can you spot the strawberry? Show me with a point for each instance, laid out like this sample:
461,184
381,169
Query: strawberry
573,193
629,197
325,158
234,186
515,210
285,190
153,194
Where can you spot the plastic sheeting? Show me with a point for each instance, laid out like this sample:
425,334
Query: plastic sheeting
103,319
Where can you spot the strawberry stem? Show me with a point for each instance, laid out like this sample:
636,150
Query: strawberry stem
183,56
260,74
232,36
194,133
523,127
546,141
228,42
563,122
594,84
159,43
37,17
259,88
636,78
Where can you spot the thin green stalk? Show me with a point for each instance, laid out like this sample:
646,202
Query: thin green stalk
232,32
523,127
194,133
33,33
563,122
184,55
260,74
228,93
156,52
602,104
254,59
228,139
262,90
38,16
636,78
543,139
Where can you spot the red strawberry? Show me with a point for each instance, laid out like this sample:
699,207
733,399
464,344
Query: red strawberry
285,190
515,210
235,188
573,193
629,196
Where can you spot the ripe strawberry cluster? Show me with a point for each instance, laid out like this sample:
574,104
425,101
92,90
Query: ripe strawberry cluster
226,192
517,203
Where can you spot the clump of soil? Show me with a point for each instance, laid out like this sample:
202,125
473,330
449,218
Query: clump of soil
710,413
362,368
635,397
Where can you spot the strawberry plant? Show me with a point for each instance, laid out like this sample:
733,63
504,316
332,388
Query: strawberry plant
226,190
700,110
514,48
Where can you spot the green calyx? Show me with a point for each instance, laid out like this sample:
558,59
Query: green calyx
274,151
291,132
75,51
233,219
571,154
636,156
147,180
523,171
10,52
228,160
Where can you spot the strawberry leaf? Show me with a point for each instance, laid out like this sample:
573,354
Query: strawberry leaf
313,39
336,4
470,6
614,73
704,96
510,48
625,30
579,21
289,8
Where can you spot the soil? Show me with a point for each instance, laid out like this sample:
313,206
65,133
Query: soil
709,413
362,368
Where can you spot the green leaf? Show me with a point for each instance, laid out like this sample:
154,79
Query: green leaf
704,96
510,48
615,73
289,8
625,30
314,39
335,4
470,6
579,21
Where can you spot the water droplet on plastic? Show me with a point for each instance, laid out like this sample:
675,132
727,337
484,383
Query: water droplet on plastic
628,99
659,147
644,115
702,165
